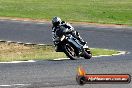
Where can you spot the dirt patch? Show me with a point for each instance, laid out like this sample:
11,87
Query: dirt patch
102,25
48,21
12,46
24,19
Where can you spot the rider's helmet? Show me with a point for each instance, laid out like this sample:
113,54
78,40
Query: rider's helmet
56,21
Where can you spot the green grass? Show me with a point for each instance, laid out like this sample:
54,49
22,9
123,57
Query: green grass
99,11
18,52
98,51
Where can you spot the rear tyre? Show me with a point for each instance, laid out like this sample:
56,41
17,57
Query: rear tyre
70,52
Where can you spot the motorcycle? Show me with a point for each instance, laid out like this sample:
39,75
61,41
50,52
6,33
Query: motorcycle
73,48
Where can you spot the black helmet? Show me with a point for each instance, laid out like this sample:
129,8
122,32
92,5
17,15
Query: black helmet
56,21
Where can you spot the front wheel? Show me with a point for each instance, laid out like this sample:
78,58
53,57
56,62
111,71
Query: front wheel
87,54
70,52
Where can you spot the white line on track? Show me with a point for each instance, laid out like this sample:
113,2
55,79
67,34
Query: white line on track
120,53
5,85
19,61
62,59
15,85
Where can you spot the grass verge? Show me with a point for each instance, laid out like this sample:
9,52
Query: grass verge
98,11
19,52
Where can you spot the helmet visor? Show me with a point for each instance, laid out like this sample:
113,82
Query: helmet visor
56,23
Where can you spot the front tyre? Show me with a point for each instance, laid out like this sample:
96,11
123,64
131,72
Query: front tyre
70,52
87,54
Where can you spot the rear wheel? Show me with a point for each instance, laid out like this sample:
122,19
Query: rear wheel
70,52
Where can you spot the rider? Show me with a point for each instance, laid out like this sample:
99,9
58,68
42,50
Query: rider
59,25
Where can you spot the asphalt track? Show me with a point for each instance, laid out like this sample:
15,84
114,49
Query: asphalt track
61,74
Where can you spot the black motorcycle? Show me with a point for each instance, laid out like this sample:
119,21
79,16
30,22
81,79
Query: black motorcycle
73,48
